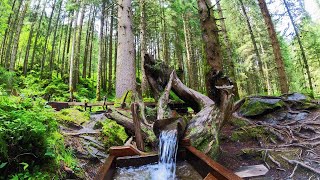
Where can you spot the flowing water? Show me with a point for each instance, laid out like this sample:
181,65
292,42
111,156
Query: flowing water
165,169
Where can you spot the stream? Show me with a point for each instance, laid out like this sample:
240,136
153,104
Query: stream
166,168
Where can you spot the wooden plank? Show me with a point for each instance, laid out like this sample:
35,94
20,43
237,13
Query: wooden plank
210,177
107,169
203,164
252,171
121,151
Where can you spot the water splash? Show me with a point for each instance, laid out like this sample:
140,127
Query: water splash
165,169
167,155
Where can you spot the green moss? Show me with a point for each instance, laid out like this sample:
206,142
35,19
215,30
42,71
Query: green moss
113,134
257,106
151,136
248,133
128,99
149,99
72,115
238,122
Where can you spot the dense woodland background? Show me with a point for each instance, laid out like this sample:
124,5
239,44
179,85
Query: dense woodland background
45,39
84,50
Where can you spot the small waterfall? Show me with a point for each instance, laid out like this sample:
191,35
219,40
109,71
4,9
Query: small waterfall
168,145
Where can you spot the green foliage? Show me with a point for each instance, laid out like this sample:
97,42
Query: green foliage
113,134
72,116
29,141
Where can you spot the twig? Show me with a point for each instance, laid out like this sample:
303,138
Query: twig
294,170
274,161
301,164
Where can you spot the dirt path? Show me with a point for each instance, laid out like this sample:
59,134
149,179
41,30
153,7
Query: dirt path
85,143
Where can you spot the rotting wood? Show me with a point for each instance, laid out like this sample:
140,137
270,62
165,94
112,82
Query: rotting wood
137,126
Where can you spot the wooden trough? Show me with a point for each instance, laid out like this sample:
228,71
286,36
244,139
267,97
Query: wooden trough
127,156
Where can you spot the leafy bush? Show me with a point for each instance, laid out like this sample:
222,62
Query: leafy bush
29,138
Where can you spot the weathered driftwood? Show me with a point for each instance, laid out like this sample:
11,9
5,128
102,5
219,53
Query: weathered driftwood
203,129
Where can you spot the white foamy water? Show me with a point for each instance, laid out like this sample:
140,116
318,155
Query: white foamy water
166,167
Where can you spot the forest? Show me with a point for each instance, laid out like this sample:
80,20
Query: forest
237,78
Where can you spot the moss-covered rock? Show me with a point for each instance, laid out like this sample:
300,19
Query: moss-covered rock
113,134
249,133
72,116
260,106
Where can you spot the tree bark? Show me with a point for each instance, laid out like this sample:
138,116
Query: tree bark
54,40
37,36
227,42
255,46
210,37
8,29
78,48
101,51
126,76
26,59
87,46
13,29
143,47
207,122
303,53
275,46
44,55
110,51
73,54
17,36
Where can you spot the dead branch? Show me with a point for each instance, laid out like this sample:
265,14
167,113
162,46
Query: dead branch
295,162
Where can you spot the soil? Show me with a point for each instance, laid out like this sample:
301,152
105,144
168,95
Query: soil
233,157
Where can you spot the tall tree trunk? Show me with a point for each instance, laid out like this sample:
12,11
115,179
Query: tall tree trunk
231,68
110,50
91,45
126,75
101,48
303,53
60,61
86,49
73,54
143,46
26,59
66,37
44,55
179,55
37,35
192,75
17,36
255,46
13,28
78,46
210,37
275,46
8,29
115,56
54,40
105,55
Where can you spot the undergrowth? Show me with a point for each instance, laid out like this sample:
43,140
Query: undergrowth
30,144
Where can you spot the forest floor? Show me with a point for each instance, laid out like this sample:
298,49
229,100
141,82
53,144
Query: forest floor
86,143
255,149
